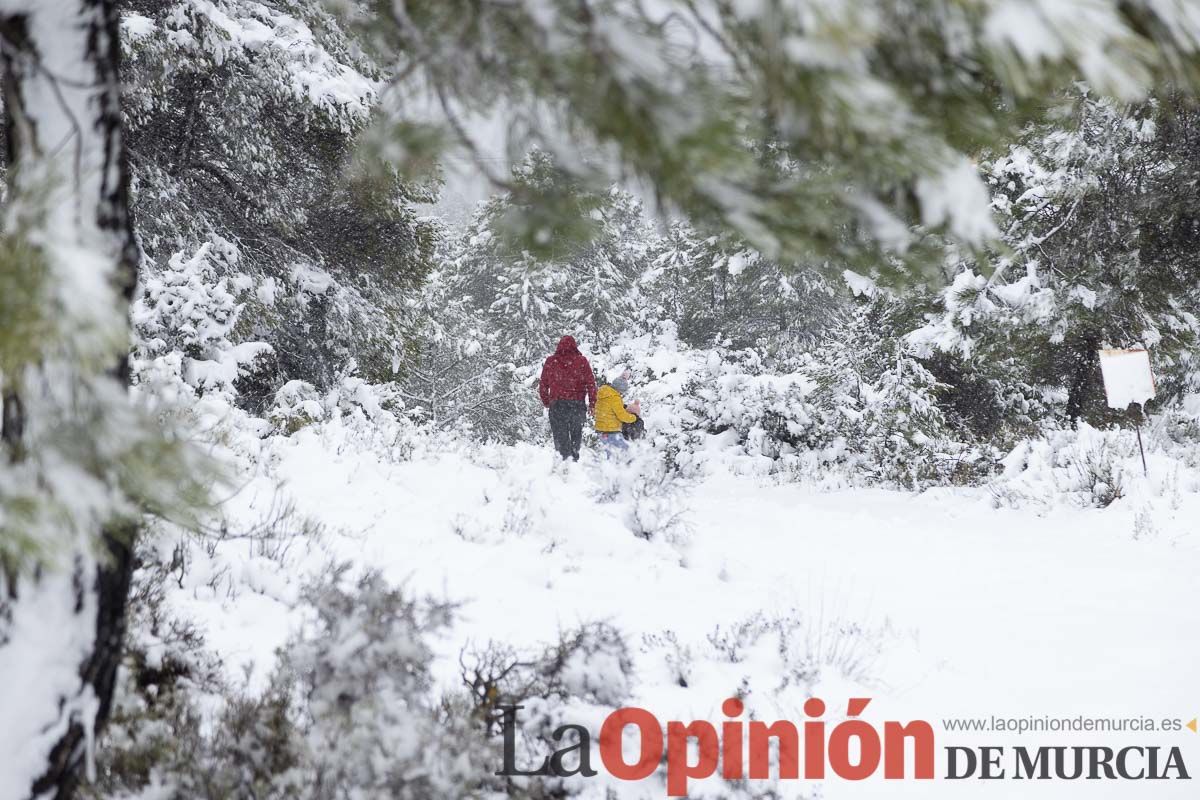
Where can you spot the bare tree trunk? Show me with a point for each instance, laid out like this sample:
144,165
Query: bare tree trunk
1083,373
81,90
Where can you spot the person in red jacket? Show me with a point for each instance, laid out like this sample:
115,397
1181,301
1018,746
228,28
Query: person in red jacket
568,389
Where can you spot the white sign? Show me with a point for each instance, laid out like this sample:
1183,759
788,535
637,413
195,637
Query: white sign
1127,377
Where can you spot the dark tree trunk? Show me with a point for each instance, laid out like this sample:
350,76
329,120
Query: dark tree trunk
100,131
1083,376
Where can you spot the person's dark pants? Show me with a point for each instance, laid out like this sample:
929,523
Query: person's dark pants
566,425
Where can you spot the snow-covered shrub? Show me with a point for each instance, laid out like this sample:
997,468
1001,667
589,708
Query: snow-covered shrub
349,712
1083,466
186,320
180,727
364,402
591,663
577,680
859,406
369,726
1098,470
187,307
1180,427
675,655
297,405
651,490
883,405
248,750
773,663
509,510
514,502
991,397
167,675
356,414
656,506
804,648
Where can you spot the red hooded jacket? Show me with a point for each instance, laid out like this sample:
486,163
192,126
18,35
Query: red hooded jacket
567,375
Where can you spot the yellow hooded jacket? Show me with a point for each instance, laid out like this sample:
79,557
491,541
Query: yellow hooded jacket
610,410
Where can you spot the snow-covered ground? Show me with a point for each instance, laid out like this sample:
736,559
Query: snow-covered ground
936,605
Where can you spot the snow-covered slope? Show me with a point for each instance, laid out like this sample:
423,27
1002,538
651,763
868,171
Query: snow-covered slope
936,605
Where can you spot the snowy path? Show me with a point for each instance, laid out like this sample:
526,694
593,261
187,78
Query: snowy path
988,612
1023,607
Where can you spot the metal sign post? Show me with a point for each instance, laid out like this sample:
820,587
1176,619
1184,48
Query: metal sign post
1137,426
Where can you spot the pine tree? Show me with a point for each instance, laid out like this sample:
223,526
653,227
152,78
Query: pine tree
538,276
246,122
514,282
79,463
722,292
1099,213
814,130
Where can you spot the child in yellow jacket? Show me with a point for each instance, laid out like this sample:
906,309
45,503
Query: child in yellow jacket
611,412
